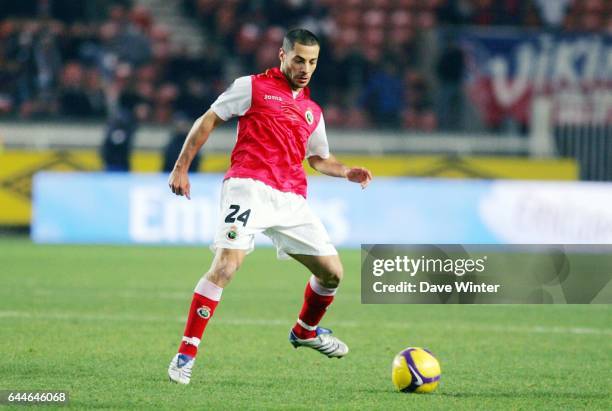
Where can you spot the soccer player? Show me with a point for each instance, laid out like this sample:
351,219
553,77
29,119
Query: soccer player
264,191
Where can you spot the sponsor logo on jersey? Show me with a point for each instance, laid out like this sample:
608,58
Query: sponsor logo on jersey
269,97
204,312
309,116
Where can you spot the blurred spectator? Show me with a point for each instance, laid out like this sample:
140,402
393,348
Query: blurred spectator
94,91
383,95
119,135
181,66
22,52
455,12
450,70
181,126
48,65
195,98
419,114
164,102
131,43
73,100
340,77
552,12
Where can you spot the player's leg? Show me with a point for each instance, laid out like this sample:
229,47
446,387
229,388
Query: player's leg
319,294
235,237
206,297
326,268
297,232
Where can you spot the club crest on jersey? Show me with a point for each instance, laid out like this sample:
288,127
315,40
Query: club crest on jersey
204,312
232,233
309,116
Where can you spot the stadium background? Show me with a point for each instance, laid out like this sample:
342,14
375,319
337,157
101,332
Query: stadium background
505,104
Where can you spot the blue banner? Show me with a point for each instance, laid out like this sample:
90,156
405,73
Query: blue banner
507,68
139,208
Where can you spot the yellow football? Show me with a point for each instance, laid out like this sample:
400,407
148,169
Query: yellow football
415,370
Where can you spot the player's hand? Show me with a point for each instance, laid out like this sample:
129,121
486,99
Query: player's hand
359,175
179,183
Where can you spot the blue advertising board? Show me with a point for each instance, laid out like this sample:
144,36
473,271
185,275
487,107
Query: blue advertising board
139,208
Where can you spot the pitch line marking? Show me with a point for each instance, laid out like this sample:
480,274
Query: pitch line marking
68,316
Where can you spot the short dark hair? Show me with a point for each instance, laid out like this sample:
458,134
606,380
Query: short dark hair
301,36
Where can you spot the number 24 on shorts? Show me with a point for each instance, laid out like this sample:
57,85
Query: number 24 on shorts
243,218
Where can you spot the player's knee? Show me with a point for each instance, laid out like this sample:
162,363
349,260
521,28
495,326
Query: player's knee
332,276
223,271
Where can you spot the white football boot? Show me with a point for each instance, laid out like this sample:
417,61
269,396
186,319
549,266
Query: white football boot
180,368
324,342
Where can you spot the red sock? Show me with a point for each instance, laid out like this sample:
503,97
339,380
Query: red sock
205,300
316,300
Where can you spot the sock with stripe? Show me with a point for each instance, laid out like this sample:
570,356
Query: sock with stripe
206,296
316,300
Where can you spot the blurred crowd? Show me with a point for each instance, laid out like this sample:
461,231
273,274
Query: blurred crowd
91,59
86,68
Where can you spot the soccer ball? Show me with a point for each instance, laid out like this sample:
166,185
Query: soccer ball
415,370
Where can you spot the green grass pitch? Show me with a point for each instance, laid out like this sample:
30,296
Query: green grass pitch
103,322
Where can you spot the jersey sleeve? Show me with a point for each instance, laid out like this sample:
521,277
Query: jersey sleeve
317,143
235,101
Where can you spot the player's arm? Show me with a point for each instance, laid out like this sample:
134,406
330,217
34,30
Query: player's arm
324,162
233,102
331,166
198,135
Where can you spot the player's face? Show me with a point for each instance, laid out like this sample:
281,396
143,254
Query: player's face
299,64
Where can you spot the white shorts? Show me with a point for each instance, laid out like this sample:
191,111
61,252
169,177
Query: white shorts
249,207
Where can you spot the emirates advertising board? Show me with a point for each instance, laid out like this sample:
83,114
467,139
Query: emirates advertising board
139,208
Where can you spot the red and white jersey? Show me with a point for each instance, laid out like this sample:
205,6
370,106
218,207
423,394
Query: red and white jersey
277,129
